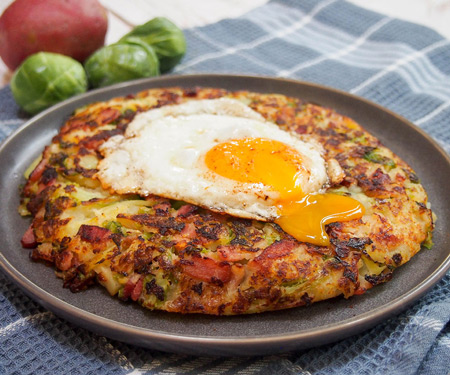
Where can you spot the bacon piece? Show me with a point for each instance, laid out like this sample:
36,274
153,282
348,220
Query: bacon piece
74,124
107,115
278,249
64,260
93,234
37,172
208,270
96,140
137,289
189,231
131,286
28,240
186,210
128,289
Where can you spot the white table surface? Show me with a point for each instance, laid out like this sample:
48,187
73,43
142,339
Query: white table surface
124,14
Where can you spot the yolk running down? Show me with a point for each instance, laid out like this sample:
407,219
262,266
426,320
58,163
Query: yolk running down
279,166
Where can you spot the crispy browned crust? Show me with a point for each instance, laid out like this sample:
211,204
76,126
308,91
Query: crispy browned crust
178,257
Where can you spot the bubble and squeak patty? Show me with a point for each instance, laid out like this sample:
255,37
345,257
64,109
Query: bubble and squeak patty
208,201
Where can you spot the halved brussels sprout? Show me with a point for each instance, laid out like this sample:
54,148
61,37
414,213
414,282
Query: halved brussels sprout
166,39
45,79
121,62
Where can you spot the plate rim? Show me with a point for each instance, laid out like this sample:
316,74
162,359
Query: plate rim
91,321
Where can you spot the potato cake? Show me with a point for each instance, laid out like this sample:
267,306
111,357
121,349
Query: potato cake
176,256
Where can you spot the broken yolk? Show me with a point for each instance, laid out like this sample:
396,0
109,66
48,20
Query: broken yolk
280,167
306,219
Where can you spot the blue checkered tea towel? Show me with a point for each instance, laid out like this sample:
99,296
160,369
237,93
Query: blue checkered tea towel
402,66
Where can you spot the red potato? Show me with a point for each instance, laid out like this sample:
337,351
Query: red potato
75,28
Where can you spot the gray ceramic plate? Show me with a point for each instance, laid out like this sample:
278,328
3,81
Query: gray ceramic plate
265,333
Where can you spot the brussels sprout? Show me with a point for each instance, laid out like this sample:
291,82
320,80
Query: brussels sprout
121,62
45,79
165,37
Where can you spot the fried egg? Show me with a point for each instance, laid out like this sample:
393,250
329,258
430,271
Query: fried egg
222,155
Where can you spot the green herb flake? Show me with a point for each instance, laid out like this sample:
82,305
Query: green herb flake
374,157
114,227
428,243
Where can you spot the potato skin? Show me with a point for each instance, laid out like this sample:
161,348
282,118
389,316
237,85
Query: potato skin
172,256
75,28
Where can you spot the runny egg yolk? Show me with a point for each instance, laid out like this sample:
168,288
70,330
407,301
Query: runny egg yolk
280,167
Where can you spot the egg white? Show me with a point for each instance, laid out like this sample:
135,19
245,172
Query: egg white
162,152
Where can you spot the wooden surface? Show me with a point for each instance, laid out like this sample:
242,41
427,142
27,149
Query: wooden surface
124,14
